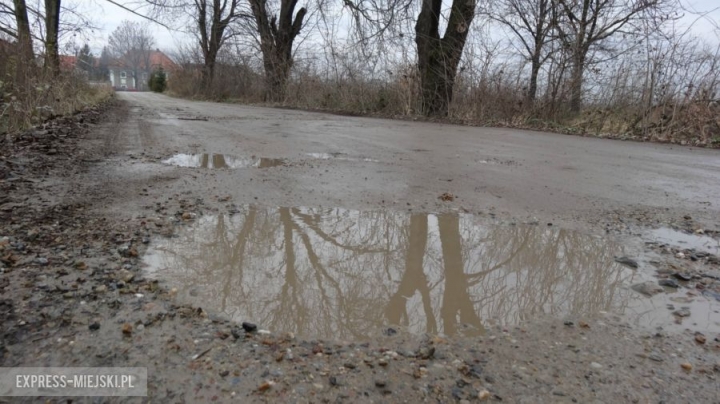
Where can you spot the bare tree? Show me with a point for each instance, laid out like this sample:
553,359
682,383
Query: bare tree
132,43
212,22
438,58
52,28
277,33
213,19
584,24
530,21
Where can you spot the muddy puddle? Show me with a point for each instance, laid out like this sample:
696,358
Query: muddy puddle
343,274
675,238
340,156
219,161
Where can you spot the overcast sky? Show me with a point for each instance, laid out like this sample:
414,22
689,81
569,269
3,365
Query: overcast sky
107,17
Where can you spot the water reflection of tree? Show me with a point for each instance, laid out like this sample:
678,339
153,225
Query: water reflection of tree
343,274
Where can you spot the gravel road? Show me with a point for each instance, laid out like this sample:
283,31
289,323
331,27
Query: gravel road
380,260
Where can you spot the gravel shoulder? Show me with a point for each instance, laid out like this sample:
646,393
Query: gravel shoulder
82,200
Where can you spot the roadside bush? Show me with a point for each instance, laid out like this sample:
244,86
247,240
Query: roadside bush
158,81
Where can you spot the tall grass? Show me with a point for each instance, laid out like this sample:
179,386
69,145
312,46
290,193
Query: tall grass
41,96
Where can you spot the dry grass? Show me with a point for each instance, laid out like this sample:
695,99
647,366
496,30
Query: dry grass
43,96
494,101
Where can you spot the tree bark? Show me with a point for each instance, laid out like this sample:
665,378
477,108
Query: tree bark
534,71
576,81
438,58
277,34
52,27
25,47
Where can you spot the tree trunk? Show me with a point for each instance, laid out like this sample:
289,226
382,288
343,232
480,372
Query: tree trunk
208,72
438,58
212,38
25,47
534,71
277,34
576,81
52,26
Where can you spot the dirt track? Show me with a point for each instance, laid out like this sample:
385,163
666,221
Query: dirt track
519,172
126,196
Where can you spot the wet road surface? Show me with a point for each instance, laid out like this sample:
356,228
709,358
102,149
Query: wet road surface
363,163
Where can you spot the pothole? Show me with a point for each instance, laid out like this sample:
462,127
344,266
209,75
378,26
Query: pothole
345,274
340,156
218,161
676,238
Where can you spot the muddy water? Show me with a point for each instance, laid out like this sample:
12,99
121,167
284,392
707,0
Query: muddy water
335,273
219,161
687,241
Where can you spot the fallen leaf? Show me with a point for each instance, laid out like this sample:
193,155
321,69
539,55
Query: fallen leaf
447,197
265,386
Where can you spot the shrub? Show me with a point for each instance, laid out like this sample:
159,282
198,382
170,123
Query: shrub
158,81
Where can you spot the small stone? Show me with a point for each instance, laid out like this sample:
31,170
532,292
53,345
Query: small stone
426,352
100,288
349,365
484,395
700,338
94,326
125,275
333,381
380,383
127,329
648,288
224,373
390,331
627,261
687,366
682,276
682,313
700,231
655,357
680,255
187,216
595,365
249,327
382,362
670,283
318,386
419,372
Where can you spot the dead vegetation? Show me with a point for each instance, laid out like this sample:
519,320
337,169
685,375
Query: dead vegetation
33,87
44,98
638,76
